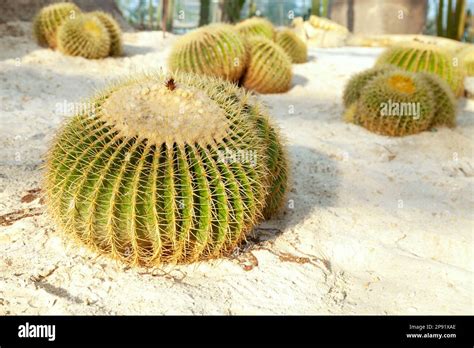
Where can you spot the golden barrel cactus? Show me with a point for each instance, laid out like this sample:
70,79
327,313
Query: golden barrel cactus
269,67
214,50
166,169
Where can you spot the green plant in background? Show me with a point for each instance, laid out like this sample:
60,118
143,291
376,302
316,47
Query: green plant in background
232,10
395,103
320,8
256,26
204,12
215,50
454,25
84,36
444,101
49,19
292,45
168,169
421,57
268,68
252,8
114,31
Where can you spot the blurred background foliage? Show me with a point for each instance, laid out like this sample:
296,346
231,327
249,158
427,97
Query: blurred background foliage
448,18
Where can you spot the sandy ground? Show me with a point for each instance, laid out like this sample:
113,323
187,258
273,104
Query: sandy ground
374,224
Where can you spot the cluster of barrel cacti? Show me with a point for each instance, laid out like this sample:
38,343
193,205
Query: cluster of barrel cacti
63,26
251,53
168,169
390,101
423,57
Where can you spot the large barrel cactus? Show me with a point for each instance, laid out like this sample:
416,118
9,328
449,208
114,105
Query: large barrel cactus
422,57
173,168
49,19
269,67
115,33
256,26
292,45
214,50
84,36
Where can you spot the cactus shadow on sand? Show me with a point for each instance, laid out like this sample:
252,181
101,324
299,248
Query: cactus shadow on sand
133,50
299,80
313,186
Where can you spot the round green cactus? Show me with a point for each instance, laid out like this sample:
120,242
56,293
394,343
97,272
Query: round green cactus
292,45
84,36
167,169
269,67
422,57
444,100
115,33
358,81
256,26
396,103
214,50
466,55
49,19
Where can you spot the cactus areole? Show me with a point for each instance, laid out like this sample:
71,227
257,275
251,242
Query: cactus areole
165,170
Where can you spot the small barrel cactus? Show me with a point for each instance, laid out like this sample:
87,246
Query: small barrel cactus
444,100
269,67
115,33
292,45
167,169
358,81
395,103
49,19
466,55
84,36
215,50
422,57
327,24
256,26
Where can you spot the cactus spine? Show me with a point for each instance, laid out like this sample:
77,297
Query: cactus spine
84,36
114,31
396,103
418,57
358,81
147,178
269,67
292,45
444,100
256,26
49,19
215,50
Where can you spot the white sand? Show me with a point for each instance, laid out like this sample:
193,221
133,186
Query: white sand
379,225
